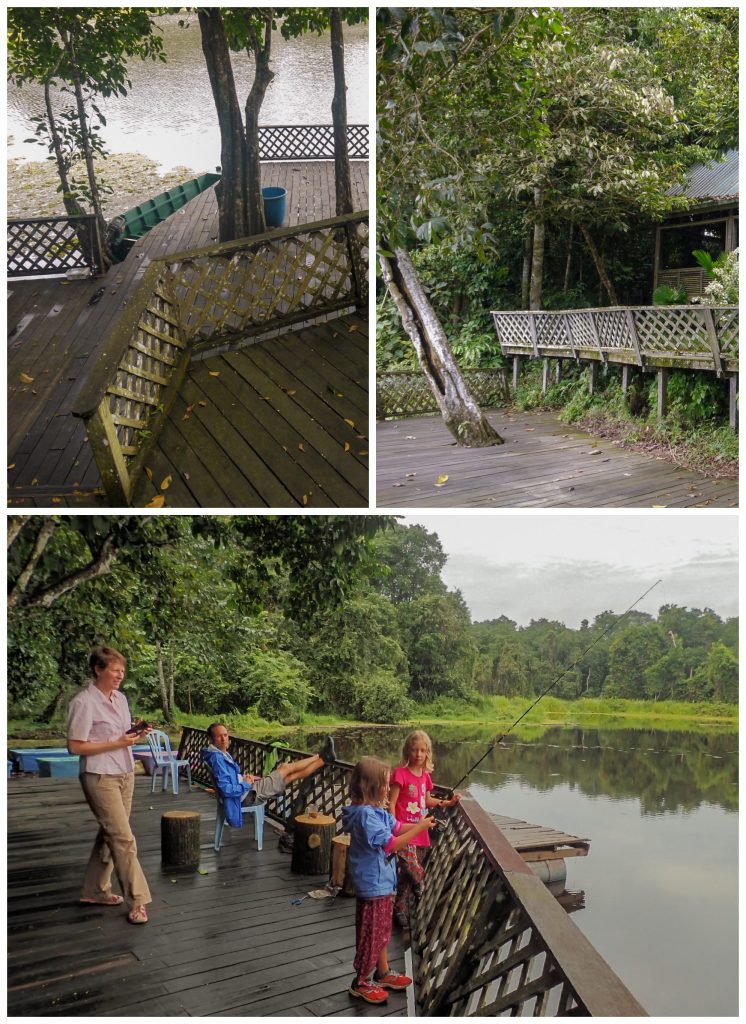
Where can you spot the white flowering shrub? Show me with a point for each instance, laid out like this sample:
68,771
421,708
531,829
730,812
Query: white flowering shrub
723,291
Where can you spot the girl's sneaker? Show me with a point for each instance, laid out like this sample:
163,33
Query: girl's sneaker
391,980
369,992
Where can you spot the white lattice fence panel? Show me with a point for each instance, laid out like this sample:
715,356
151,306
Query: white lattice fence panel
613,329
513,329
670,331
726,325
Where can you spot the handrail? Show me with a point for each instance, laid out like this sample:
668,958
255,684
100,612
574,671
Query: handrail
489,938
45,246
206,297
310,142
696,337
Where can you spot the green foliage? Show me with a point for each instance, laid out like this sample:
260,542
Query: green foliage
277,686
381,697
723,289
668,295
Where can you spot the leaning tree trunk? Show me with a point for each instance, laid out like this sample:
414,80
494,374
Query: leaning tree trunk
263,75
231,190
537,259
600,268
526,271
460,412
342,181
167,710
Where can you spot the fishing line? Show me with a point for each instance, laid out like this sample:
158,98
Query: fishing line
552,685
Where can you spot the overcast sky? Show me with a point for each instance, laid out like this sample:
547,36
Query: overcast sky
571,567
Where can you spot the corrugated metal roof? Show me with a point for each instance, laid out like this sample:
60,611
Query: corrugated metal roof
717,179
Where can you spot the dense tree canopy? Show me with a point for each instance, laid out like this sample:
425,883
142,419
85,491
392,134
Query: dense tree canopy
284,615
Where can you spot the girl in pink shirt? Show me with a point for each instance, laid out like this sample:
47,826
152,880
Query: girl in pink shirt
409,801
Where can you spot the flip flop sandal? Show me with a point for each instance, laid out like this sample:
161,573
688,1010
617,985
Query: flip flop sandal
110,900
138,915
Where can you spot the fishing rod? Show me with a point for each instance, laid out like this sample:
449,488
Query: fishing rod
552,685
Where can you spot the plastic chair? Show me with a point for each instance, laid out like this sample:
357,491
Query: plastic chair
165,762
256,809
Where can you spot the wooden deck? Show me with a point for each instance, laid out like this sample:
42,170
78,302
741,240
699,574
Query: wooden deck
540,842
543,464
270,425
224,943
55,337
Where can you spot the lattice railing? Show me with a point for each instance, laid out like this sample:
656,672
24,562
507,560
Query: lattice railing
489,938
310,142
52,245
686,337
407,392
210,296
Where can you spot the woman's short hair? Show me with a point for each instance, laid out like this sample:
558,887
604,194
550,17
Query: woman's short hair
102,657
368,781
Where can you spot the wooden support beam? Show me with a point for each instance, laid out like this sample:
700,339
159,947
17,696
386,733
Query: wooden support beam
102,437
662,393
632,327
733,401
593,377
625,378
534,335
712,339
558,371
516,371
545,377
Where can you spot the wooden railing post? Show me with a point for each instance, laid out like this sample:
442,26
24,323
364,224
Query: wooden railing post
712,338
102,437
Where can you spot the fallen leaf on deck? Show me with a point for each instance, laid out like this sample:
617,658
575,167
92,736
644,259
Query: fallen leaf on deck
203,404
201,871
410,437
25,379
347,446
442,479
214,373
304,499
660,506
165,484
148,472
339,394
529,429
411,474
399,485
363,453
35,481
352,327
12,465
301,448
158,502
188,412
56,500
351,423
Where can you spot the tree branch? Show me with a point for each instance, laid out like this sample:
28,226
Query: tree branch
98,567
15,525
43,538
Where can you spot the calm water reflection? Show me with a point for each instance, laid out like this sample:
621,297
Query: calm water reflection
169,113
661,878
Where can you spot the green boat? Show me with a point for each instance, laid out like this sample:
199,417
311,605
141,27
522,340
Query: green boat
123,231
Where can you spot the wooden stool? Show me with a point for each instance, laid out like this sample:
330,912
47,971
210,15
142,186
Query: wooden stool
312,843
340,876
180,839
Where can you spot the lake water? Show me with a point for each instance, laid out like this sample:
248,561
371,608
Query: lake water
169,113
660,809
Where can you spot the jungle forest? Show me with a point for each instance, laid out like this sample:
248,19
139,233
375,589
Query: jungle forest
285,618
525,159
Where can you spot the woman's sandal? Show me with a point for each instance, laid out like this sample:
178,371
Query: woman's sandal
138,915
110,900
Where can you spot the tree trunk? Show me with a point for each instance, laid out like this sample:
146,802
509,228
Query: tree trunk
231,192
526,273
72,206
263,75
566,283
460,412
600,268
537,260
171,700
162,684
342,181
43,537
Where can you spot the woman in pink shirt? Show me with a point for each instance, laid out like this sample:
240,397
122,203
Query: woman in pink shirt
410,800
98,729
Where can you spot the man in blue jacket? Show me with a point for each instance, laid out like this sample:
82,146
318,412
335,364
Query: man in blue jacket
236,788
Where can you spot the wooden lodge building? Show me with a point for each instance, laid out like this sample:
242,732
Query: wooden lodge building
711,223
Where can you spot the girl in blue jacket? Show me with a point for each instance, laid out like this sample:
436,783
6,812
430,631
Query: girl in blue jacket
375,836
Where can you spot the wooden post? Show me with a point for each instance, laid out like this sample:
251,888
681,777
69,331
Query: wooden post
545,377
516,371
312,843
662,393
180,839
340,876
593,377
733,401
625,379
558,371
102,437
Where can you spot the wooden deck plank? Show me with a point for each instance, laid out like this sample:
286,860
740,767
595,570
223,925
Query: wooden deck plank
544,463
226,942
60,337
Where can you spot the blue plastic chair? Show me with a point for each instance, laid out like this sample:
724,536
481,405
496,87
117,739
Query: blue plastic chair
256,809
165,762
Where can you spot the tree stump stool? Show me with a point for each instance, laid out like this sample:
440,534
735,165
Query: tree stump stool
340,876
180,839
312,843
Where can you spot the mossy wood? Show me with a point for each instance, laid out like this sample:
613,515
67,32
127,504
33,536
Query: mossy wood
312,843
205,298
180,839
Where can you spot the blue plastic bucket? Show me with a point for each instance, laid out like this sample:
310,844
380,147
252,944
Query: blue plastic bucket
275,203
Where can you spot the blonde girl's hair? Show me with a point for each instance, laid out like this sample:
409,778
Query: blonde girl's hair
410,741
369,781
